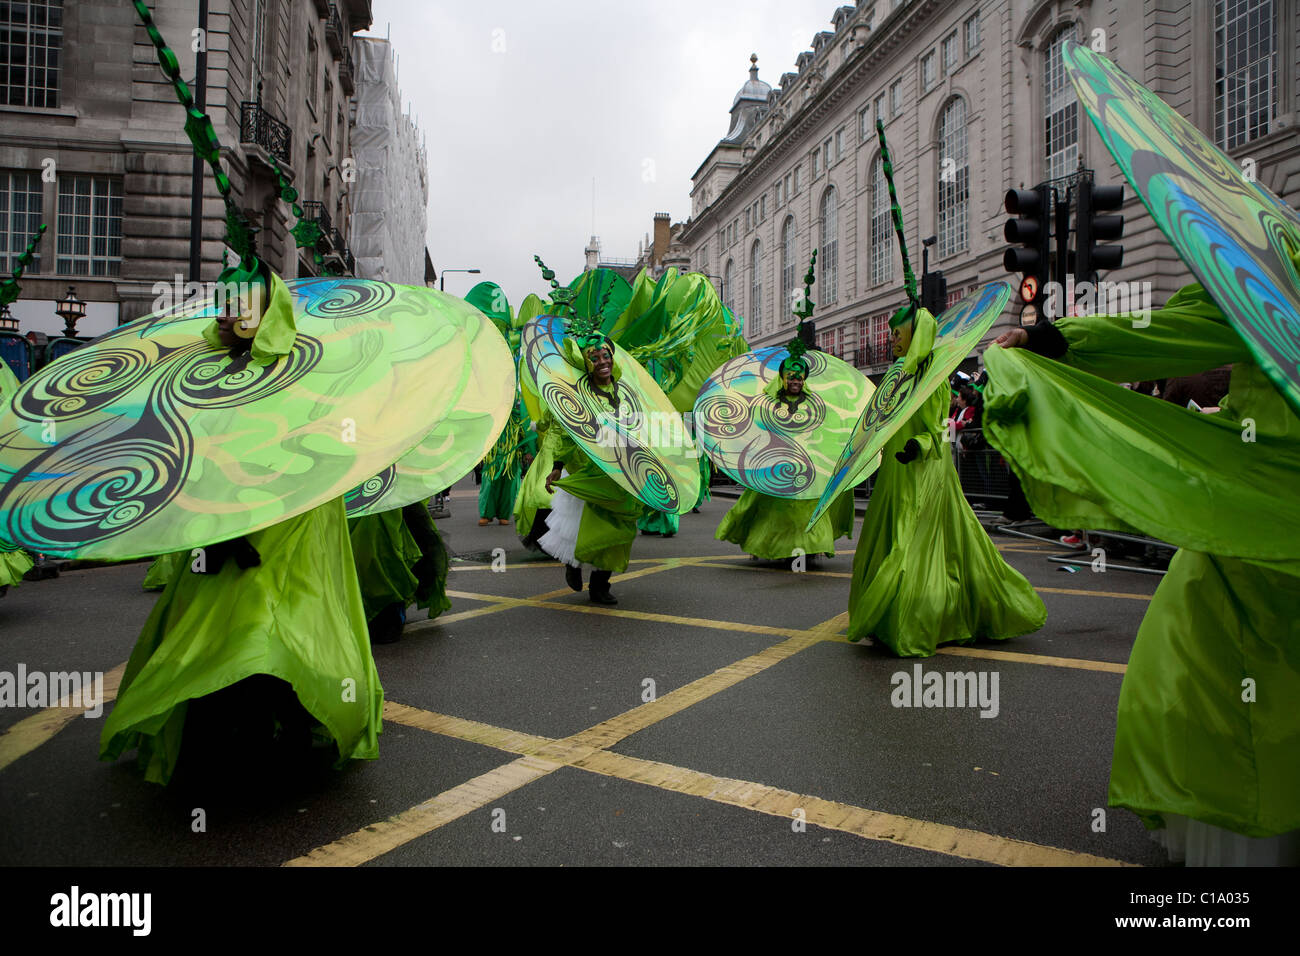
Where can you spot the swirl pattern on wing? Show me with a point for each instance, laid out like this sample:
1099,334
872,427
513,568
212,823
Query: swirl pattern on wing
648,473
342,298
1235,235
100,487
371,490
80,383
212,380
722,415
781,470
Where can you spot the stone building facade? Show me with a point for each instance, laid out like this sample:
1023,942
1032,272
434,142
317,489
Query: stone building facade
92,144
974,103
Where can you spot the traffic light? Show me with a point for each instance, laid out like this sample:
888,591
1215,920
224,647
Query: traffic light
1032,231
934,292
1092,229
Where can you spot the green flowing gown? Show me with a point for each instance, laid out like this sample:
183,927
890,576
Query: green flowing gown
925,572
385,554
532,494
658,522
297,616
772,528
1208,728
163,569
496,496
609,513
13,565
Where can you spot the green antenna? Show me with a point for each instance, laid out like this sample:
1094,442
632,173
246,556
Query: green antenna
560,295
9,287
909,280
240,233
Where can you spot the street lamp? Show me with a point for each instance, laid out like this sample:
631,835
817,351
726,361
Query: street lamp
8,323
70,309
443,278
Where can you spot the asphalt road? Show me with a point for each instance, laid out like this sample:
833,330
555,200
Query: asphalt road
715,716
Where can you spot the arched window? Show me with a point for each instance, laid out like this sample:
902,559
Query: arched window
828,260
756,285
882,262
729,285
788,268
1060,110
954,179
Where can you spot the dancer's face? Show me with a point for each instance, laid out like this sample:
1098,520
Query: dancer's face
602,365
901,337
792,380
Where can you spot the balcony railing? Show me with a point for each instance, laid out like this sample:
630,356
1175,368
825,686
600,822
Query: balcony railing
260,128
313,211
334,33
347,78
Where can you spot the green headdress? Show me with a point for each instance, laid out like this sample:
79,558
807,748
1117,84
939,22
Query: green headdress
797,346
582,331
908,312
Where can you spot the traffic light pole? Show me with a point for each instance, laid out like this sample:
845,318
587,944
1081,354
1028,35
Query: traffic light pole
1062,271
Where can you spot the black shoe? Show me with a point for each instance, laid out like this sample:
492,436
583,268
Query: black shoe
599,589
386,626
573,577
602,597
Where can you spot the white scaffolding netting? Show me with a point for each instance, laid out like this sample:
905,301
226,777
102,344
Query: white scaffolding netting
391,194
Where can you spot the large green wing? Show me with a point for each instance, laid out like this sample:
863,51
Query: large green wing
764,444
900,394
148,440
1235,235
461,438
644,447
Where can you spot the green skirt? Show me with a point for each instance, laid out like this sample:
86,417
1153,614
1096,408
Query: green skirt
496,496
925,572
657,522
297,616
773,528
13,565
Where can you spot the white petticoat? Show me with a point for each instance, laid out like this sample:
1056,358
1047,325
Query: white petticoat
561,538
1200,844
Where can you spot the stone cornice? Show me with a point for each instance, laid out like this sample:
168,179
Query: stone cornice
894,30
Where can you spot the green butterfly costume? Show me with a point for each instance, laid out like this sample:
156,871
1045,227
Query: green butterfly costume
1188,742
925,572
772,528
1207,739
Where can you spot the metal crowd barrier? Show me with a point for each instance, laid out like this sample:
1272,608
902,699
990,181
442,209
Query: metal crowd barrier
983,474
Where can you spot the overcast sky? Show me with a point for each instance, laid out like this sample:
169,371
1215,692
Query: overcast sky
523,104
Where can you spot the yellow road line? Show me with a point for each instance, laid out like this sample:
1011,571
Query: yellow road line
1077,663
1085,593
31,732
832,815
828,814
379,838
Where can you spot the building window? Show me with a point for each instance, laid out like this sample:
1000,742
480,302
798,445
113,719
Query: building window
90,226
729,285
1245,70
827,156
839,144
832,342
762,208
313,67
816,163
954,179
873,341
864,125
787,265
748,223
896,98
927,72
785,187
949,48
1061,113
258,53
328,115
31,38
756,285
972,33
829,257
882,262
20,216
880,107
798,179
